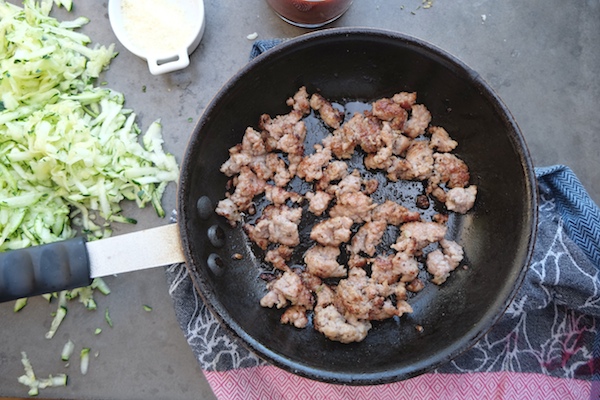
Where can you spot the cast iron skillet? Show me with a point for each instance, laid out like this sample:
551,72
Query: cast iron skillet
497,234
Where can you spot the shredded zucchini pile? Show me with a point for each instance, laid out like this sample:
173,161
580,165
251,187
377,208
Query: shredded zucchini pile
69,151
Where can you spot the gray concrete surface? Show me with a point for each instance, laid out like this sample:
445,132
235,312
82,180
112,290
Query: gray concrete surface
541,56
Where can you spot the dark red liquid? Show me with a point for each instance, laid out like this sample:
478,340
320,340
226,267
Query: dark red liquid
309,12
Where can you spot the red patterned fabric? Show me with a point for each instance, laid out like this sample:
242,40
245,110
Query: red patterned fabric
269,382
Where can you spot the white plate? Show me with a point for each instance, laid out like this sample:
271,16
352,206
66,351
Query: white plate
163,32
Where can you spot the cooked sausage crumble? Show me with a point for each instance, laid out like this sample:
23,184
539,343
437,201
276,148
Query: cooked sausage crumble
344,279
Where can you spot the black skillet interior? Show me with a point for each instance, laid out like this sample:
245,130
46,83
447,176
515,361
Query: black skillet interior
497,235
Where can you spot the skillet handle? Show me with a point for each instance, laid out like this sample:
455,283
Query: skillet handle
44,269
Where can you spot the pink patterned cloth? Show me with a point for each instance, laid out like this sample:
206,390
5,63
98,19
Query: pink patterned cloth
269,382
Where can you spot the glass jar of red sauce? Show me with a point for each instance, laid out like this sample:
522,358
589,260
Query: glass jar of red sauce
309,13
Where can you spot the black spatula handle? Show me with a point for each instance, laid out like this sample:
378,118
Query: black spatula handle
44,269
